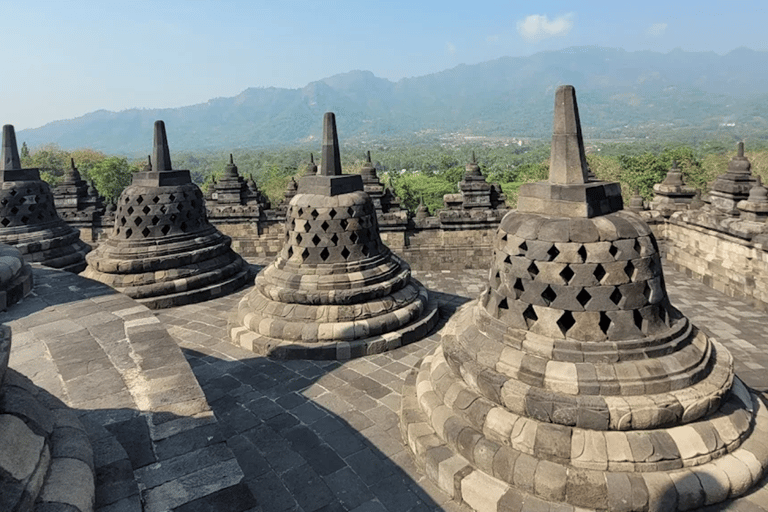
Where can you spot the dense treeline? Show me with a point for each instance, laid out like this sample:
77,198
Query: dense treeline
419,172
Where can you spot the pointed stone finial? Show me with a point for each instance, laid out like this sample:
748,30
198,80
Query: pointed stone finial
230,170
72,164
231,160
10,155
368,157
474,159
331,157
740,149
148,167
161,152
312,167
568,161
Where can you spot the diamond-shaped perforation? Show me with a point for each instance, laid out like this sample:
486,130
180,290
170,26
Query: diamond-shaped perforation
503,306
613,251
565,322
350,212
629,269
343,223
165,229
146,210
353,238
365,250
299,238
530,316
139,200
5,221
156,199
335,239
582,252
14,210
548,295
316,240
325,254
315,214
553,253
129,211
324,226
583,297
145,232
306,227
523,248
305,254
128,232
332,213
518,288
137,221
647,292
599,272
345,253
638,318
567,274
604,323
171,198
290,252
616,296
533,270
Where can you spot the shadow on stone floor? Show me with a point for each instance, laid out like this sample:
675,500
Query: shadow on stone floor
306,435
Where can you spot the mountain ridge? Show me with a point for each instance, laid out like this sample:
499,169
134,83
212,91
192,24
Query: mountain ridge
621,94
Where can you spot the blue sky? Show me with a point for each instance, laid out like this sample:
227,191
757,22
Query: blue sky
67,58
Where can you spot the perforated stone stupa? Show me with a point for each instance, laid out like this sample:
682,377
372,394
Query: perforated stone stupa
572,381
335,291
733,186
162,251
28,218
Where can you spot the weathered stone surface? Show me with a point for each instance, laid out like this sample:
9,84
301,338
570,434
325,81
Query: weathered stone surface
163,252
335,287
28,217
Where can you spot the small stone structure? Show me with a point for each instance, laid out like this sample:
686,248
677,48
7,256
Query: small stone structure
477,203
163,252
28,218
75,200
755,207
733,186
390,216
672,195
572,381
232,198
335,290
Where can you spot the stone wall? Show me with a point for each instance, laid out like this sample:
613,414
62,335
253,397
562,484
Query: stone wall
729,264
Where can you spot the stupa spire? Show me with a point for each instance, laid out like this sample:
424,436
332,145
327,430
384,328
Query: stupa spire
331,157
568,162
161,153
10,157
312,167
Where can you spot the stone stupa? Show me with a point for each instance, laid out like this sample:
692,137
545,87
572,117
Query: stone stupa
733,186
162,251
672,194
335,291
28,218
572,382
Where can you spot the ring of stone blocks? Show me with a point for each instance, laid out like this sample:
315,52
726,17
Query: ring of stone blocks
186,294
335,289
600,395
490,475
26,203
673,447
53,459
156,212
318,235
114,257
340,350
15,284
371,267
294,323
534,341
171,281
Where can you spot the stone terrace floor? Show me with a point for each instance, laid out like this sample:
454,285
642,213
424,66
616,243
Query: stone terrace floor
324,435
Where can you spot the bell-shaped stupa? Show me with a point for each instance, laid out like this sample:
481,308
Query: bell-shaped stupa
163,252
28,218
572,381
335,291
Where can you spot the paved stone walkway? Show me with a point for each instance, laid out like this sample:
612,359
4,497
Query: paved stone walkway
286,435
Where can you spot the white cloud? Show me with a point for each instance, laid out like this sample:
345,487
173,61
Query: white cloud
538,26
450,47
657,29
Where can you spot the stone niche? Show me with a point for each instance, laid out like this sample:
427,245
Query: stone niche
572,382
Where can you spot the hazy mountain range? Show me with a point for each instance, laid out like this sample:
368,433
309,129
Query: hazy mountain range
620,93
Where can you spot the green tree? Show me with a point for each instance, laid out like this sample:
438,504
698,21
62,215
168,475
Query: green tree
111,176
51,160
24,150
